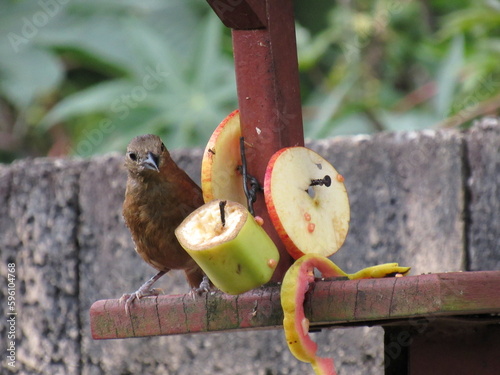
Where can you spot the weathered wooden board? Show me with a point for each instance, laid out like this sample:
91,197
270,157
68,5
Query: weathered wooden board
328,303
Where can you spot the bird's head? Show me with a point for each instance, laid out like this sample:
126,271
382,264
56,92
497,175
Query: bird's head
145,154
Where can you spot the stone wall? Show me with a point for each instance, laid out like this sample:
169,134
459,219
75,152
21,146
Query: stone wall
429,199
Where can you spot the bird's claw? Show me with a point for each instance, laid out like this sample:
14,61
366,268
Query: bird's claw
204,285
203,288
128,299
140,293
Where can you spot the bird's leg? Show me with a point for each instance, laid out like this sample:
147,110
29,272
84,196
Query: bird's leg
144,291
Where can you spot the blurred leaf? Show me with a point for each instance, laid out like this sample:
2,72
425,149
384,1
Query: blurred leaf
448,76
104,97
26,71
414,120
327,108
114,133
103,40
471,19
183,96
28,74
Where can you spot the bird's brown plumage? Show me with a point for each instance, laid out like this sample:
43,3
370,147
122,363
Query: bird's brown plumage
159,195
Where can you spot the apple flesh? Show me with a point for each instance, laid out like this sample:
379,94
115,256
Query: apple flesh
235,252
221,176
307,202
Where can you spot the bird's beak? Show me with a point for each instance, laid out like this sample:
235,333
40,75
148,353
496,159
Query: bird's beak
151,162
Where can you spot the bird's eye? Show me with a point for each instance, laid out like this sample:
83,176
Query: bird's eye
162,147
132,156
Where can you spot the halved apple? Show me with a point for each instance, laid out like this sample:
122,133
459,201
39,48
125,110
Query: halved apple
307,202
220,167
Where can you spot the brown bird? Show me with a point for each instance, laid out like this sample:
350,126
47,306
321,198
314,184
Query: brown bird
159,195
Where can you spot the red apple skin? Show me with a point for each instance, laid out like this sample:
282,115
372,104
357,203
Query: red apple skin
290,246
215,143
288,242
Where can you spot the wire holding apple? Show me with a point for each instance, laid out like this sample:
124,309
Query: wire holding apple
250,191
308,205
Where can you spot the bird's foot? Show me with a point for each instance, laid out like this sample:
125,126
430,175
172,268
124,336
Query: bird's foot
144,291
203,288
138,294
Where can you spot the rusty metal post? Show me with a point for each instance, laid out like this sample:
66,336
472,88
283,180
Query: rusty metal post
265,56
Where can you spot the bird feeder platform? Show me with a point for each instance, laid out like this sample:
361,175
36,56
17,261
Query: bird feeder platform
446,323
433,323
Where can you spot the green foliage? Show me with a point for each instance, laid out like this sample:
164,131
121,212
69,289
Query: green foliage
84,77
398,65
106,71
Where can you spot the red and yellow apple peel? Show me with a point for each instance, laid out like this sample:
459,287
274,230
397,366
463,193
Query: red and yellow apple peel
296,283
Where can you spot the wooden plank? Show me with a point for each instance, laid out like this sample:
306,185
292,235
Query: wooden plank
329,303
